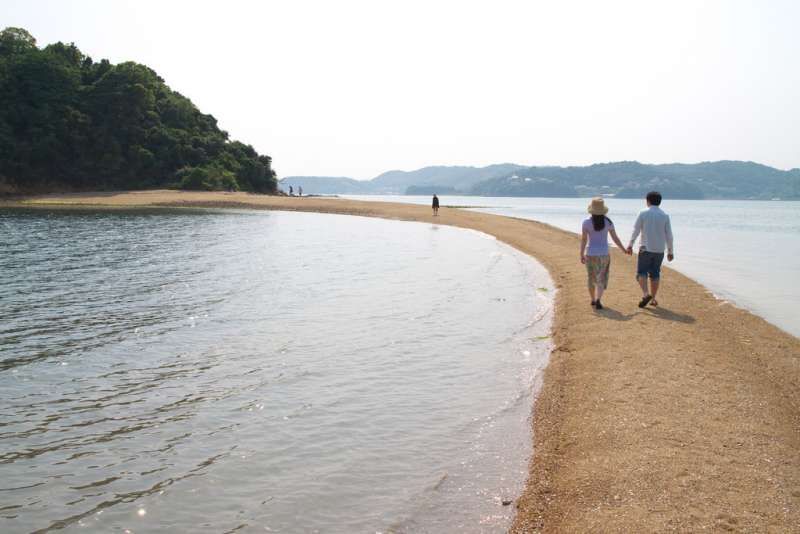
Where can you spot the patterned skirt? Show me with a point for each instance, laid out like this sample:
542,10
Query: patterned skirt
598,268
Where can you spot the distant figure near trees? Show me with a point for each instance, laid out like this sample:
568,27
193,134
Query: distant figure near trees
435,205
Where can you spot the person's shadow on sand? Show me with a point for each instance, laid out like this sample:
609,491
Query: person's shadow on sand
614,315
670,315
661,313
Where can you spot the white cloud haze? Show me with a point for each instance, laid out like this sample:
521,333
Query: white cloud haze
351,88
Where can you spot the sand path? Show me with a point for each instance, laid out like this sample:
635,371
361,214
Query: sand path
680,418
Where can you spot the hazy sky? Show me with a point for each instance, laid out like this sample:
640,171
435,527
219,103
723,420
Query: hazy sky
346,88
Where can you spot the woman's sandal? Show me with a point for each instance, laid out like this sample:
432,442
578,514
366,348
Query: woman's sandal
654,302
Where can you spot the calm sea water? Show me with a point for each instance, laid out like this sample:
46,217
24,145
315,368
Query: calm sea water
262,372
746,252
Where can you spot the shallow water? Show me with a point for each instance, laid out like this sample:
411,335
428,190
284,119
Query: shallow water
744,251
263,371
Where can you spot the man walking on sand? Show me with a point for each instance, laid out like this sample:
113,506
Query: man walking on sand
654,226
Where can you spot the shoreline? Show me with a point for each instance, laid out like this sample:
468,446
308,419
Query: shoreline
716,250
682,417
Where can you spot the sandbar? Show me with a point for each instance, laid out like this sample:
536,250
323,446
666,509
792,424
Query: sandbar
684,417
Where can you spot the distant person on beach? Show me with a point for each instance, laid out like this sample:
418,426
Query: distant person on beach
291,191
597,259
300,191
435,205
654,226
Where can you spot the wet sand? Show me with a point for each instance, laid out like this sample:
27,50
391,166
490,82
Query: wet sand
680,418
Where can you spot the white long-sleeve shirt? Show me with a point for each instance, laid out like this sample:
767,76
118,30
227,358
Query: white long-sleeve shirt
656,230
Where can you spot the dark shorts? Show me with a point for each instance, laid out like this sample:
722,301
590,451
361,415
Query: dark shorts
649,264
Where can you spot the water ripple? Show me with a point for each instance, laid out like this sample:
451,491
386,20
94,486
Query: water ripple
225,372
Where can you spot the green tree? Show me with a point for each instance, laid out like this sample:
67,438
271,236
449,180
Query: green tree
16,41
68,122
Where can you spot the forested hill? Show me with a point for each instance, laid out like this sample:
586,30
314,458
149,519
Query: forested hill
631,179
68,123
626,179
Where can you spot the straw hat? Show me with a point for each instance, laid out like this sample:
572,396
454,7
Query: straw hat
597,207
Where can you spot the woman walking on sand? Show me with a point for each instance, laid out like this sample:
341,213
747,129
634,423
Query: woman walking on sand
435,205
595,231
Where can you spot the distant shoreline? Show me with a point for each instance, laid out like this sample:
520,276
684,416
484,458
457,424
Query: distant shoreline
721,180
13,198
712,199
682,417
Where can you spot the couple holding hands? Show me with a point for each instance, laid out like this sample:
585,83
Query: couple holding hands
656,236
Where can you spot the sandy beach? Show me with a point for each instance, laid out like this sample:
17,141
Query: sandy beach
680,418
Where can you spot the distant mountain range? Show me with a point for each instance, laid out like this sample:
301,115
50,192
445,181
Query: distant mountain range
459,179
625,179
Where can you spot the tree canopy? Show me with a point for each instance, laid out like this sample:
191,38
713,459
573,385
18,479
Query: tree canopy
70,123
